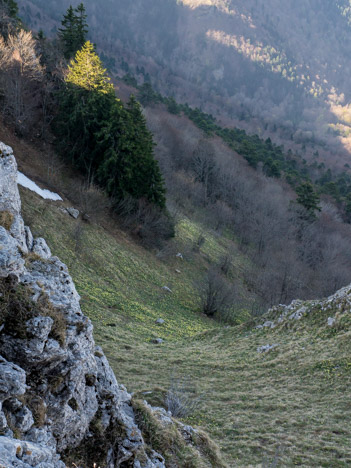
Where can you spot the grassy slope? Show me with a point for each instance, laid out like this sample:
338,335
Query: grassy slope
294,400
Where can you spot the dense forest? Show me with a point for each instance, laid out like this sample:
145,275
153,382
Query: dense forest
288,215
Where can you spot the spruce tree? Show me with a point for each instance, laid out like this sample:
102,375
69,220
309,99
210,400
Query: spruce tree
74,30
129,167
308,198
81,26
9,20
85,101
86,71
108,142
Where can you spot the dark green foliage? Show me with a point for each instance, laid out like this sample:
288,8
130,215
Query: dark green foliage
275,162
307,197
11,6
147,95
172,106
129,167
130,80
9,20
108,142
74,30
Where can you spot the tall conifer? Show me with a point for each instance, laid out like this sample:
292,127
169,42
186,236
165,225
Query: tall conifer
108,142
73,31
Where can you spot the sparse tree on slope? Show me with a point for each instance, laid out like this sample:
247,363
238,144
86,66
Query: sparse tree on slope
74,30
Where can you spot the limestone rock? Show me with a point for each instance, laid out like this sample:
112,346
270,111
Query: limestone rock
40,327
29,238
160,321
157,341
266,348
41,248
331,321
18,415
9,196
11,261
22,454
12,379
267,324
52,277
73,212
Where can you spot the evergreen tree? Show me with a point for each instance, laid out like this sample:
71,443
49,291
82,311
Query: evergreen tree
308,198
102,138
9,20
130,167
74,30
81,25
85,102
86,71
11,7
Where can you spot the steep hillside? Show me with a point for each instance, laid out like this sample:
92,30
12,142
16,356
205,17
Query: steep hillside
60,403
289,404
285,64
183,318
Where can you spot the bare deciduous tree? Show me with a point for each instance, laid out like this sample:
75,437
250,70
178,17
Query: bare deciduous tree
217,295
21,75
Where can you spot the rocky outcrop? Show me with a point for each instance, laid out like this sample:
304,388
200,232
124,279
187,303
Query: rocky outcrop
58,394
329,311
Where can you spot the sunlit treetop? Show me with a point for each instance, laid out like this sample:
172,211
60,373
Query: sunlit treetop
86,71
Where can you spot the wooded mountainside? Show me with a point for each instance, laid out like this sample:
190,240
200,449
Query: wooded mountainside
271,204
273,67
200,153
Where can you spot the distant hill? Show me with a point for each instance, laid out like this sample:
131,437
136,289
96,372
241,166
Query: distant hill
274,67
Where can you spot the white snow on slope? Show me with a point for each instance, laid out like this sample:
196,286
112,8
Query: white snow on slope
29,184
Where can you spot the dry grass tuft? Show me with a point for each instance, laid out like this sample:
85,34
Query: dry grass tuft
6,219
200,452
17,307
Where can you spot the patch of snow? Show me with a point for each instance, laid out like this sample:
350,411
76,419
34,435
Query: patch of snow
29,184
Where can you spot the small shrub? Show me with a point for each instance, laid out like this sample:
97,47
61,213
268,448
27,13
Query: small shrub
181,399
17,307
37,406
6,219
165,440
226,264
199,242
93,452
151,225
217,295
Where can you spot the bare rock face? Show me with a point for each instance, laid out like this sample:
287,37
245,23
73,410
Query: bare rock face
58,393
9,195
11,261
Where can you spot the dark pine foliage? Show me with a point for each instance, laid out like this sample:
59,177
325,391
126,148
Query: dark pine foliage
106,141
